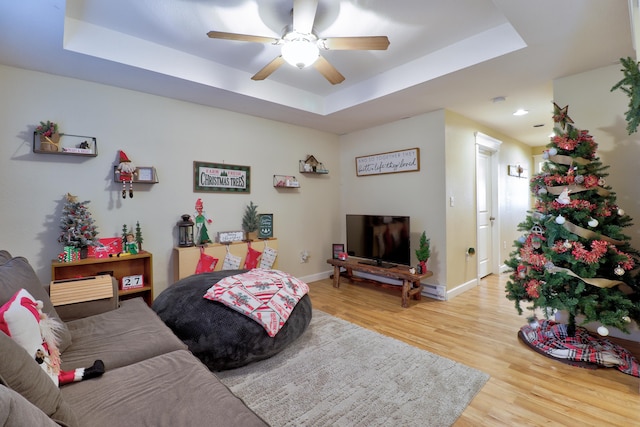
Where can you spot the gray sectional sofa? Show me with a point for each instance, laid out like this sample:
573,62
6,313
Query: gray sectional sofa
151,378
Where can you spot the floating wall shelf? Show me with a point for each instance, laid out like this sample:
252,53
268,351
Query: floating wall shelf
69,145
285,181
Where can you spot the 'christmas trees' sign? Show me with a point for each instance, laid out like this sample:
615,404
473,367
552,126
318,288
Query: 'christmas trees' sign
573,255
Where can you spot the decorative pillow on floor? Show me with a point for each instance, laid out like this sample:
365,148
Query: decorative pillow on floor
266,296
219,336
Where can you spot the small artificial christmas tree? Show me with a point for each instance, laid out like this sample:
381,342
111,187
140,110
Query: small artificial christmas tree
139,238
250,221
77,228
574,256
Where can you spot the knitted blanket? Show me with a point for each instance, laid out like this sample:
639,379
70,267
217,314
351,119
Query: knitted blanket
266,296
551,339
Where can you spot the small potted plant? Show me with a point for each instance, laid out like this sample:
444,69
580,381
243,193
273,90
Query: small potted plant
49,136
423,253
250,221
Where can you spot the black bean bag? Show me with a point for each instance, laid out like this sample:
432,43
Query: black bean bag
219,336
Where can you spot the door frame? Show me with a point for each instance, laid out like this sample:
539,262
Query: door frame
491,145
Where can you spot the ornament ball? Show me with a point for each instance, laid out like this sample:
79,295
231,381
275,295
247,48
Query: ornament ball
593,222
560,219
603,331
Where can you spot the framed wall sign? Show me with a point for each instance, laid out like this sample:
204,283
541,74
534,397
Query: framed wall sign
391,162
337,249
265,226
220,177
230,236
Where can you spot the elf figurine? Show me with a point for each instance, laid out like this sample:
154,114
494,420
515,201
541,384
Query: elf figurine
201,220
127,170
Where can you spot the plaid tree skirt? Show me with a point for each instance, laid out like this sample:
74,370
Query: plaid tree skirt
584,350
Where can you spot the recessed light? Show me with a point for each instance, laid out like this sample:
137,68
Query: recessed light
521,112
499,99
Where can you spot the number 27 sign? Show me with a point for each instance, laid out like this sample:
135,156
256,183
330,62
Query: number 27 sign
132,282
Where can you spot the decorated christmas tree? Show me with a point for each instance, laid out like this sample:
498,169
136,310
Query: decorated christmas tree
77,227
573,255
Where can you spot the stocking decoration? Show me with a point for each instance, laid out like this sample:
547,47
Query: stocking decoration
251,260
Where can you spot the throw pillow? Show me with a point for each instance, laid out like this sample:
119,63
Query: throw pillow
19,372
22,319
266,296
15,274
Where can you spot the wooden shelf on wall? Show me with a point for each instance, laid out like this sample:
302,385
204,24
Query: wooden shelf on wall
91,141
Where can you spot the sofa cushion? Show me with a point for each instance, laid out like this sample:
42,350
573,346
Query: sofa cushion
165,390
20,372
17,273
16,411
127,335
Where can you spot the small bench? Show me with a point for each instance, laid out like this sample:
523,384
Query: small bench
411,286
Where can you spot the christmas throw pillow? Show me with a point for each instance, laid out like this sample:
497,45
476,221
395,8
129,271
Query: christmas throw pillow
21,319
268,258
251,261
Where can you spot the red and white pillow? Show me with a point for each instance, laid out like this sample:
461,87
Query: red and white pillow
266,296
22,319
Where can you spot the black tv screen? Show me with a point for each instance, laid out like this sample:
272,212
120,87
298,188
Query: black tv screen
382,239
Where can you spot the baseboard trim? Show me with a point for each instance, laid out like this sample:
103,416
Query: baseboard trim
462,288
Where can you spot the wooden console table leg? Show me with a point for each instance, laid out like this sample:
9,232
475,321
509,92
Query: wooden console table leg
336,276
406,285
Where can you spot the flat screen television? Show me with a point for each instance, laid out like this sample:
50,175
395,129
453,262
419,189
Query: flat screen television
381,240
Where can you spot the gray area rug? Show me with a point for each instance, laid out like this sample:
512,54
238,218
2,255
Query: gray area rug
340,374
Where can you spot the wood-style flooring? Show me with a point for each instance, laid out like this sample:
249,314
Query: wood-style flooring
479,329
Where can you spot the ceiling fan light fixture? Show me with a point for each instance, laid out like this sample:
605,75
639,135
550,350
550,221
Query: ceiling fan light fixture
300,51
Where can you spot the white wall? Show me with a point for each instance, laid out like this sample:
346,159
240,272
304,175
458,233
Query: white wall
169,135
594,107
419,195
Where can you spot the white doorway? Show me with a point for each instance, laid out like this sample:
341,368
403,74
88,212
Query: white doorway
487,221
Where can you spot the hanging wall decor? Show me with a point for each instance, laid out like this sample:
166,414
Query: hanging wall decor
220,177
391,162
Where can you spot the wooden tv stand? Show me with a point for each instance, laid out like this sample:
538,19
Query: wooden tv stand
411,286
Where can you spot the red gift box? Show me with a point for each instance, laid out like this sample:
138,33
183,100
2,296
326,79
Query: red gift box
106,246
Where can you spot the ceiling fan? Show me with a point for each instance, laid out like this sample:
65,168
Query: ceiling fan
301,46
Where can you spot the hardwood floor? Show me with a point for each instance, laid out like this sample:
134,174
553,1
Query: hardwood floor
479,329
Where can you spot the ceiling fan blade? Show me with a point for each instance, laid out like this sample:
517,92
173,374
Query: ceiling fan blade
268,69
304,13
354,43
241,37
328,71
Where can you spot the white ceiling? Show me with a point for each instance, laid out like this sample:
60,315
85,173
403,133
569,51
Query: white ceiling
453,54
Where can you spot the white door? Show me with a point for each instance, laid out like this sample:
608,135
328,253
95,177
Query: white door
488,229
485,214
